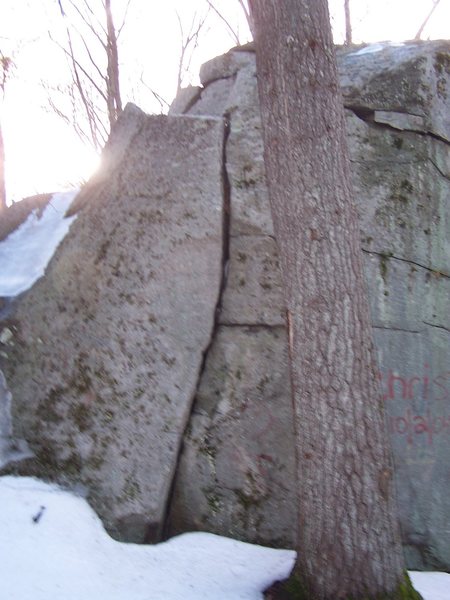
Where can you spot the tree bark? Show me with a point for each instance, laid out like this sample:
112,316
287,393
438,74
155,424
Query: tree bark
2,173
348,23
427,18
348,537
113,87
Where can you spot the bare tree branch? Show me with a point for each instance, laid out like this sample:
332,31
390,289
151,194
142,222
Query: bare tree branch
162,101
114,100
233,33
70,54
90,25
91,83
2,173
94,64
89,8
247,14
188,42
75,65
119,30
422,27
348,23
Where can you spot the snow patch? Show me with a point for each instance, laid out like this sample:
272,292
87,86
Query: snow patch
432,586
26,252
54,547
371,48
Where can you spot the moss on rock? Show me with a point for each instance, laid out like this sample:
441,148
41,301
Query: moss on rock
294,589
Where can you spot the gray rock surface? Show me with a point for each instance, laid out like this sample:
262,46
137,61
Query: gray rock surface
235,475
397,116
213,99
109,345
236,470
12,450
411,78
184,100
163,308
402,190
225,66
254,293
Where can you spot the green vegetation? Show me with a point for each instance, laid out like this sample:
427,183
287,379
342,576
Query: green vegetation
294,589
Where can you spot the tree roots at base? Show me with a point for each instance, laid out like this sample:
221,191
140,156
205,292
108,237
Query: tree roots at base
293,589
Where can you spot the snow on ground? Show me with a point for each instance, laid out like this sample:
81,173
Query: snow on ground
53,547
432,586
25,253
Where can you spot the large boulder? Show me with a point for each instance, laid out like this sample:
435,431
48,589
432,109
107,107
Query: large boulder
106,350
150,365
397,108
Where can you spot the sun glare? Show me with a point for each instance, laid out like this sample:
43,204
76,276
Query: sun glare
49,159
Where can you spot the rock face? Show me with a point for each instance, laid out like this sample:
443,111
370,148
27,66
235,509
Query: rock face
164,308
107,349
11,450
398,106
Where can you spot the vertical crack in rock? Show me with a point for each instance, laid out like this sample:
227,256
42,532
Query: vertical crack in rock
226,214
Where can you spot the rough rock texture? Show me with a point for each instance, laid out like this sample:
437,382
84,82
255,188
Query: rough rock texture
398,107
410,78
107,349
12,450
236,473
239,443
166,296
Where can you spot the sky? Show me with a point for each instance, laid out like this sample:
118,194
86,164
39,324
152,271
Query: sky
53,547
44,154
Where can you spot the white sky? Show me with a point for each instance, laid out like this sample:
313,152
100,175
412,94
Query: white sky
43,155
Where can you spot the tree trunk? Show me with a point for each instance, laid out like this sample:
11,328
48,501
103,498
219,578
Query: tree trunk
2,173
427,18
348,537
348,23
113,87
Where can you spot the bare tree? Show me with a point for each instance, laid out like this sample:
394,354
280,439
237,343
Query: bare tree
348,23
92,99
348,536
248,14
428,17
112,79
5,69
189,43
2,173
232,30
